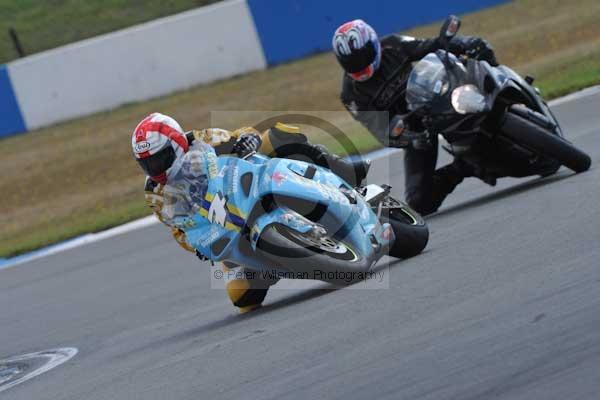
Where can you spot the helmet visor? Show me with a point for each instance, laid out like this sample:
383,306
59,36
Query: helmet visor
364,74
158,163
359,59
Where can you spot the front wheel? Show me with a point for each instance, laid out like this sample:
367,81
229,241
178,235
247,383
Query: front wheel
531,136
412,233
307,256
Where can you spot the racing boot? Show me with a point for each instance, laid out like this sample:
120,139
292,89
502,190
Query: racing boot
286,141
353,171
445,181
246,288
243,296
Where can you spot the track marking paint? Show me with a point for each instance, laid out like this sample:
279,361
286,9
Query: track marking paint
19,369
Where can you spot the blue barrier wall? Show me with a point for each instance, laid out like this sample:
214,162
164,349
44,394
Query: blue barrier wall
290,29
10,114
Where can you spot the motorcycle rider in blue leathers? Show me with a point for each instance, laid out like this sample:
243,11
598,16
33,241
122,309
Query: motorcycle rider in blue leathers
175,163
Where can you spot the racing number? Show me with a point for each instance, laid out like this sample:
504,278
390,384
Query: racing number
217,213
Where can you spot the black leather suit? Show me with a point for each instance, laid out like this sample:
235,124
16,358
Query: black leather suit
368,102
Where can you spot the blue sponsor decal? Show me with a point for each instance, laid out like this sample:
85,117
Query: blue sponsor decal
11,119
291,29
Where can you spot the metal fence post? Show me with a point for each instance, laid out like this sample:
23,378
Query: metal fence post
16,42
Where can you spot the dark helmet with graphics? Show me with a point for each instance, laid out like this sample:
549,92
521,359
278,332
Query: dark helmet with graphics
357,49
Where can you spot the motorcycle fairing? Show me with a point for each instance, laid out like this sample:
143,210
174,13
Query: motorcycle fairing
283,216
351,216
215,229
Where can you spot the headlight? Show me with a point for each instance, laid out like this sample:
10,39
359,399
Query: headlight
468,99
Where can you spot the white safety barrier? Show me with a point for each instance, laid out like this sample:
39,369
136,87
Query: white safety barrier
137,63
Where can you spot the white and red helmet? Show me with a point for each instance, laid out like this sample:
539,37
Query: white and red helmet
157,142
357,49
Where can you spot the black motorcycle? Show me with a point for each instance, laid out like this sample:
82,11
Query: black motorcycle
491,118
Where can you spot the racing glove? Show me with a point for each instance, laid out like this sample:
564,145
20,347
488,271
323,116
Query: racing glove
474,47
398,133
479,49
246,144
401,136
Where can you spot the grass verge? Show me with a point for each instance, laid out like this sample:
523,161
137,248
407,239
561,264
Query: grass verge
577,75
43,25
79,177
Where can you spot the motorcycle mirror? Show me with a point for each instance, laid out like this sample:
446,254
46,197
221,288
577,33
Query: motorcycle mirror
449,28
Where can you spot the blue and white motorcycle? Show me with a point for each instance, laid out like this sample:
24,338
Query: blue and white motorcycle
295,218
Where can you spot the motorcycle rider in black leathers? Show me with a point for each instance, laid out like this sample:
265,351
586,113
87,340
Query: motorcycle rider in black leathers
375,78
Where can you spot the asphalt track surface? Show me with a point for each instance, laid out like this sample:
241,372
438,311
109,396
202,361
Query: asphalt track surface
504,304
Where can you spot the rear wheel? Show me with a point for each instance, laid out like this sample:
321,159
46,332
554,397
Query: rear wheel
412,233
540,140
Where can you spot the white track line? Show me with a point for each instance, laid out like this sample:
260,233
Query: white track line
79,241
591,91
55,358
151,220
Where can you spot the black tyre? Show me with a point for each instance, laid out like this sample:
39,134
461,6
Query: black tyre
540,140
304,256
412,233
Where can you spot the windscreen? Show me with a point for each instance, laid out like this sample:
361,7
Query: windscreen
427,80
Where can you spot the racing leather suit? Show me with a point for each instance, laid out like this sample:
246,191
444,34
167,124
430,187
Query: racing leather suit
380,100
